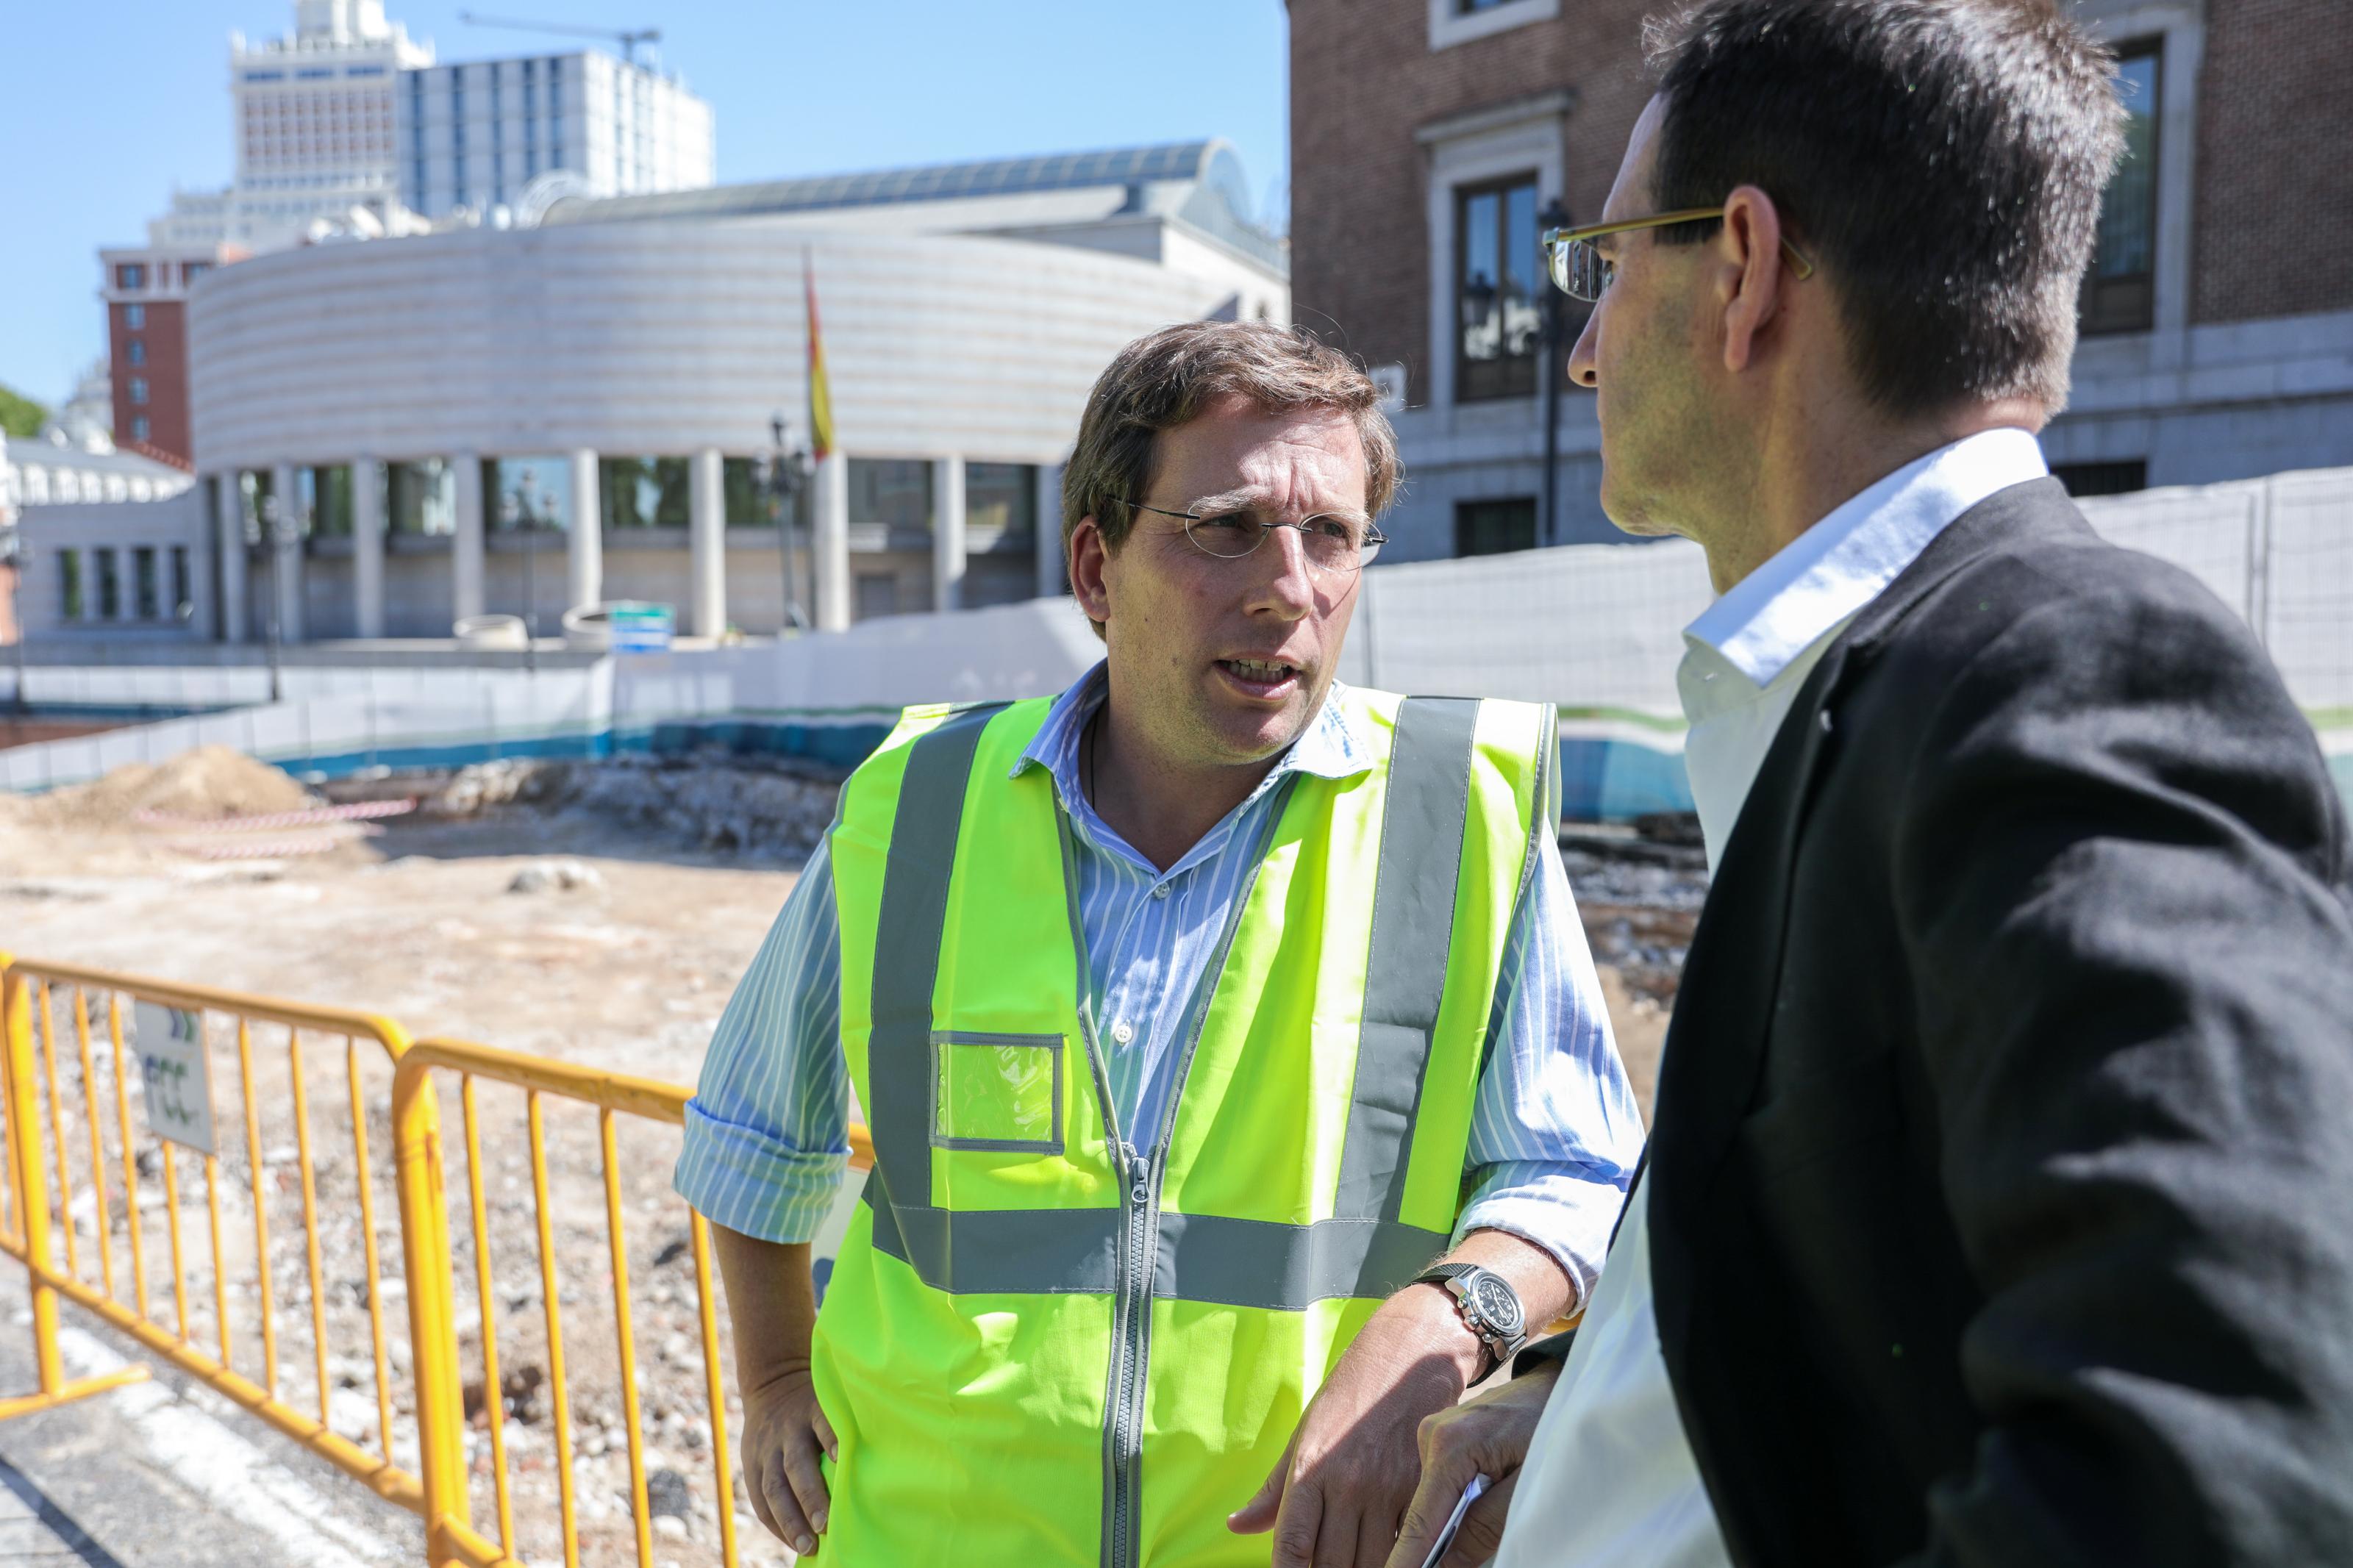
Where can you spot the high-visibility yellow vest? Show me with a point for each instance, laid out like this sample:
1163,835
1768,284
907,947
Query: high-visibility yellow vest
1050,1340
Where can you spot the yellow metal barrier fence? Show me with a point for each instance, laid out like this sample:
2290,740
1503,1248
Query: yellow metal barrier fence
417,1445
41,1121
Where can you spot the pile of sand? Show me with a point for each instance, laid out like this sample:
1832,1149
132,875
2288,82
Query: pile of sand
207,784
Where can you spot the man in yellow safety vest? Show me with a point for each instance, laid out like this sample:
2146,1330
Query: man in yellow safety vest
1238,1084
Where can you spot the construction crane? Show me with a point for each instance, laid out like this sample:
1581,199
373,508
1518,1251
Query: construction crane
629,40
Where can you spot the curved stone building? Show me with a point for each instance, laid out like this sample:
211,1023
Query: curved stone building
397,434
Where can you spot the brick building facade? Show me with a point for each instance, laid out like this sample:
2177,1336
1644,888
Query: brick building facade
1430,136
145,290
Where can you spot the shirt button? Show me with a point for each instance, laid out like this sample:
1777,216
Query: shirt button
1123,1031
1161,891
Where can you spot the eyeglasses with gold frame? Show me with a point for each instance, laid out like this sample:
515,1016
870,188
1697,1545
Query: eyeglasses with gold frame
1579,269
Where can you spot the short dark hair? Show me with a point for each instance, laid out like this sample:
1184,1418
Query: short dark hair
1943,160
1167,378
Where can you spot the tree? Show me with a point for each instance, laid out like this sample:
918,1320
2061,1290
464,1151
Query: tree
19,415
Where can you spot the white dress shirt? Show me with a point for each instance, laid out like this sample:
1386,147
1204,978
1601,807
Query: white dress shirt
1610,1481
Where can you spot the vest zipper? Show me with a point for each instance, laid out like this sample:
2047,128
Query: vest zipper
1141,1172
1131,1341
1139,1239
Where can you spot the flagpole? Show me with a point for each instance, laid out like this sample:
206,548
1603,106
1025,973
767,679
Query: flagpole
828,545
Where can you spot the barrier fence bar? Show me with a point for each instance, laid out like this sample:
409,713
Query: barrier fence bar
613,1096
435,1483
41,1139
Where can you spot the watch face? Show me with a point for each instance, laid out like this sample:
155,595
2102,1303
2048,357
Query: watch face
1496,1303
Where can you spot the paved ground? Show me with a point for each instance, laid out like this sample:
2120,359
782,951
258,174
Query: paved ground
162,1475
34,1529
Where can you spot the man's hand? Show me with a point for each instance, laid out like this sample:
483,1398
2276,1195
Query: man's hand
1488,1436
783,1432
1341,1489
773,1299
1336,1499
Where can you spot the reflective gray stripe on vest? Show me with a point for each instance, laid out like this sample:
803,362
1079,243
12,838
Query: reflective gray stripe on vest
1202,1257
1287,1267
907,929
1413,930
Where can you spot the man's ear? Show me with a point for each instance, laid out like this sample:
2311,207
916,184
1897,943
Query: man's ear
1088,556
1751,273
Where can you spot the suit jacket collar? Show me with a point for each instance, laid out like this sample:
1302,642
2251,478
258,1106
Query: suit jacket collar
1715,1049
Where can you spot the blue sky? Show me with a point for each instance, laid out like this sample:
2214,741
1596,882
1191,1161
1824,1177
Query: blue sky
103,107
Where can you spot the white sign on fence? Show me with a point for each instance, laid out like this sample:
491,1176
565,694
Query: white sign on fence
178,1072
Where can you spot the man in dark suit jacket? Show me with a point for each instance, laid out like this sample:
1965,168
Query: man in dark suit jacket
1999,1208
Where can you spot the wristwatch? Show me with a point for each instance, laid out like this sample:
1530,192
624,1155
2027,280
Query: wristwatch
1487,1302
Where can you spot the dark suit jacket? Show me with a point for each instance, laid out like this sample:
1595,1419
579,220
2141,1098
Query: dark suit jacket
2001,1178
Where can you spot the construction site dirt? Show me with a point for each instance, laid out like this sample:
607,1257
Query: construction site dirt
599,913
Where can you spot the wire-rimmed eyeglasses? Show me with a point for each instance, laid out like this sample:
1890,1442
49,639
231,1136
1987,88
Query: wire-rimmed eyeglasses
1579,269
1334,546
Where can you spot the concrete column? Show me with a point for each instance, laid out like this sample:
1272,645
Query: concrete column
829,543
706,539
228,538
286,546
90,609
1053,573
466,542
947,533
367,547
584,537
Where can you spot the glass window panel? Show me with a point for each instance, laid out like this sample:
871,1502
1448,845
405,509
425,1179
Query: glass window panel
1497,302
69,584
306,501
253,494
673,505
110,586
618,497
423,498
1520,322
181,603
892,491
331,501
1002,497
1480,266
144,585
1493,527
2128,209
2119,293
739,485
527,493
644,492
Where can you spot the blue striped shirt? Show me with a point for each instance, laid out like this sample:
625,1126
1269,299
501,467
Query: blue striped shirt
1555,1130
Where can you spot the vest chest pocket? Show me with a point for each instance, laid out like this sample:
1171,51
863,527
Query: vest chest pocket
1001,1092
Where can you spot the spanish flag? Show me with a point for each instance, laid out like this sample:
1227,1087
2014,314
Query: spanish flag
821,394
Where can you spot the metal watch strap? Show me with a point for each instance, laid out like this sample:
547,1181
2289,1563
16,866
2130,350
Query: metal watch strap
1444,1276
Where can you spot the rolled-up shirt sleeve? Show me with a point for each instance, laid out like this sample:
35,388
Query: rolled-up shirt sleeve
1556,1130
767,1132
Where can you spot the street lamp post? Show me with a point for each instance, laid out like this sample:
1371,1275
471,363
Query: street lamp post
278,527
784,474
528,521
1550,366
